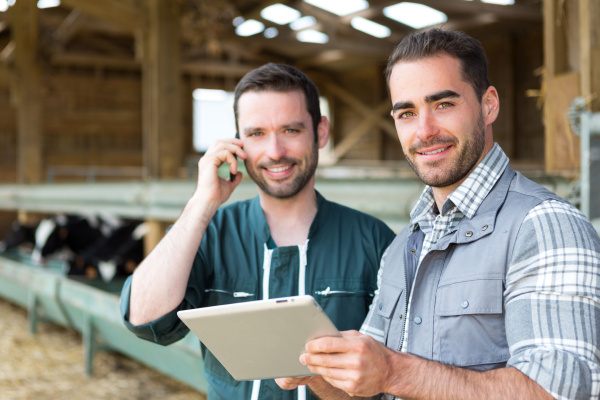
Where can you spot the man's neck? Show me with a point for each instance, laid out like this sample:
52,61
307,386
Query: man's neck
290,219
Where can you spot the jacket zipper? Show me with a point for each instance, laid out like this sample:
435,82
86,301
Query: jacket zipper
328,292
234,294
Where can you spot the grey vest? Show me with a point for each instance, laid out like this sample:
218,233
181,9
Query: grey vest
457,309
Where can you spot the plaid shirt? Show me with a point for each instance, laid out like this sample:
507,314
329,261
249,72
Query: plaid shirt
552,295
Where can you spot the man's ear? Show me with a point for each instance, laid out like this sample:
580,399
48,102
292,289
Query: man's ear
490,104
323,132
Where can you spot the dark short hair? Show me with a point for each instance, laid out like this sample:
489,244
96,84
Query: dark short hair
280,78
433,42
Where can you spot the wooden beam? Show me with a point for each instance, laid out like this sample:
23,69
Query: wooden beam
105,45
358,106
200,67
97,61
562,85
119,12
161,91
156,231
68,28
589,52
217,68
7,54
28,75
360,130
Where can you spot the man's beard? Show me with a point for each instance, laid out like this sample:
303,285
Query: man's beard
463,163
287,189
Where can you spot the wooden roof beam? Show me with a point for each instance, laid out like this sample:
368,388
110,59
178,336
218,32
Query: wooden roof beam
122,13
68,28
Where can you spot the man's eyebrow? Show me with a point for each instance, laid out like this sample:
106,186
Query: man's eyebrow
401,105
297,124
249,129
444,94
294,124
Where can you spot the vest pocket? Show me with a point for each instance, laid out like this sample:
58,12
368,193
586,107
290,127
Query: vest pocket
389,305
470,324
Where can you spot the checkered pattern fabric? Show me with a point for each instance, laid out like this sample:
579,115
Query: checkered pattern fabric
552,295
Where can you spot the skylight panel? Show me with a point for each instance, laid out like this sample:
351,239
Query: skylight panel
280,14
415,15
303,22
501,2
48,3
249,28
271,32
312,36
340,7
369,27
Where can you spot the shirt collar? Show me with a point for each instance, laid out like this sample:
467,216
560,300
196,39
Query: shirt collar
469,195
261,227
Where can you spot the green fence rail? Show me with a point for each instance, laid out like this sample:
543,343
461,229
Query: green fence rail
93,310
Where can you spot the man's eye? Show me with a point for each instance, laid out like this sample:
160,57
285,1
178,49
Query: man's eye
291,130
406,114
445,105
254,134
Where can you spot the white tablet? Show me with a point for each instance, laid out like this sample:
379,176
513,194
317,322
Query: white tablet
260,339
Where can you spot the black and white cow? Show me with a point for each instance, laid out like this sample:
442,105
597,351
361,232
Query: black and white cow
20,235
65,234
116,254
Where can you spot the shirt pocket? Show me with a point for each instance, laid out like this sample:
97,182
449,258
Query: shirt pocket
346,301
229,292
470,324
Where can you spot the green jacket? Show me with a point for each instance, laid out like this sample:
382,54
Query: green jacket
238,261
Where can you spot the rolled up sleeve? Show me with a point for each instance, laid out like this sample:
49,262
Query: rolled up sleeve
552,302
164,330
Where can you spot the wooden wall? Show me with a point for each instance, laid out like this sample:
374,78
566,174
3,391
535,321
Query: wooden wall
109,116
514,69
92,118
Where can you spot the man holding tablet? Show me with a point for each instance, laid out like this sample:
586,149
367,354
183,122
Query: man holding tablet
287,241
492,290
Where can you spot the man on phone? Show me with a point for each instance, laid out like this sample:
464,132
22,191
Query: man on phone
287,241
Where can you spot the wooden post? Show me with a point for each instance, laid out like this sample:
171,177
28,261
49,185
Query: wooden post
572,68
561,79
162,125
156,231
589,53
28,76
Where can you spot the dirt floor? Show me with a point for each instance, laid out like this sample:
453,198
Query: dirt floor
49,365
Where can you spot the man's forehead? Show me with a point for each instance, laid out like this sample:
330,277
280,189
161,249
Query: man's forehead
420,79
254,95
269,108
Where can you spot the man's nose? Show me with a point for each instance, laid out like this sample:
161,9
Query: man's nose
427,126
276,147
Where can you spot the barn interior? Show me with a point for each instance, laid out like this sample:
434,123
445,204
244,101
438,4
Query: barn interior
98,102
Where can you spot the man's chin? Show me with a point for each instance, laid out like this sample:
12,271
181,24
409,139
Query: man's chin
279,193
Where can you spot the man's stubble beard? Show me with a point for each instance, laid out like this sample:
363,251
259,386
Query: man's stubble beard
464,162
290,189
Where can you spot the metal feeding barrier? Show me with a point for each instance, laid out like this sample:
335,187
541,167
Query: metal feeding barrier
586,125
